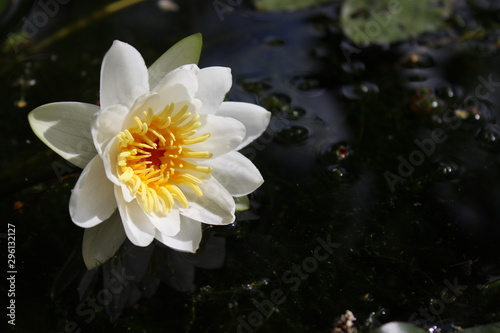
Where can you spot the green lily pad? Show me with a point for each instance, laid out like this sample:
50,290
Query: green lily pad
286,5
386,21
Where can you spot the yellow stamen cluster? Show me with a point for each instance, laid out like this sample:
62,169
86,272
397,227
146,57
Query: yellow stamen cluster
153,160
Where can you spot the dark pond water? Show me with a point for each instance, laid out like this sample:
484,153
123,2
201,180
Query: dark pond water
381,167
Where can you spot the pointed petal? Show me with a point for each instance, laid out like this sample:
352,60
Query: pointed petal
213,85
102,241
65,128
124,76
139,229
186,51
92,200
225,134
236,173
187,239
255,118
179,85
215,206
167,225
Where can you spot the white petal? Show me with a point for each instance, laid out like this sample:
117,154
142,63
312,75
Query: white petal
142,104
255,118
236,173
107,124
225,134
102,241
138,227
124,76
215,206
65,128
92,200
111,121
178,85
187,239
213,85
110,160
168,225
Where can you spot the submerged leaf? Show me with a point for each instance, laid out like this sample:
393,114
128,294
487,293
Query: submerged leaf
386,21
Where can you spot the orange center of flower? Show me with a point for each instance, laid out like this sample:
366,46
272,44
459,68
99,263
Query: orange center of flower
154,161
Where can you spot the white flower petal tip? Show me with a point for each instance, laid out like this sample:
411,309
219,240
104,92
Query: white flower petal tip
255,118
214,84
124,76
187,239
163,154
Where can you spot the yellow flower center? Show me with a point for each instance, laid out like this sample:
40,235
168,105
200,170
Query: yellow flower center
153,160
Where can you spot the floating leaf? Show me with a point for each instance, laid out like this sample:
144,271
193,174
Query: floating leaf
385,21
286,5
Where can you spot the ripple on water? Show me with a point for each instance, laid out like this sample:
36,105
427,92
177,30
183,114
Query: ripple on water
448,170
292,135
489,137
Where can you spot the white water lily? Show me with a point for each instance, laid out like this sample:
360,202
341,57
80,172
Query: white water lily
164,153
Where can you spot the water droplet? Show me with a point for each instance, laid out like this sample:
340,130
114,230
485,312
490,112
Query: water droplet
448,169
360,91
480,110
489,137
449,93
294,113
292,135
336,173
333,153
